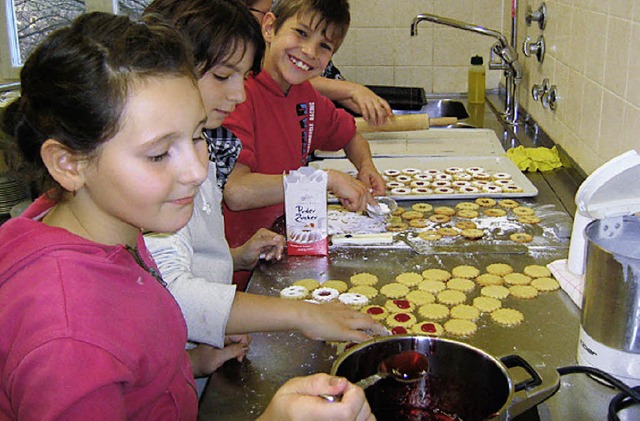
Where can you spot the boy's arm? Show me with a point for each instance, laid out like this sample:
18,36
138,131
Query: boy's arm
359,153
356,97
248,190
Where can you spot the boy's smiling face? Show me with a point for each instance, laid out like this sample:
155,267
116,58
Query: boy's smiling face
299,51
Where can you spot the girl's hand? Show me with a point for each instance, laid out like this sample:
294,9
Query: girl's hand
374,109
298,399
337,322
205,359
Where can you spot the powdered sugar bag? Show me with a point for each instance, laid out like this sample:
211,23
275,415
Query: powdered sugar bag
305,205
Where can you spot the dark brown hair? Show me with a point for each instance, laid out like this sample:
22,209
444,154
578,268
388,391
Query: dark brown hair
74,85
332,14
214,28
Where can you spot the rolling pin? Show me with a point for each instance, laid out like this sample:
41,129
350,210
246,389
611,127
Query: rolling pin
404,122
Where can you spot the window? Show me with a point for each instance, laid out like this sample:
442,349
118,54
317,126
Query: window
29,21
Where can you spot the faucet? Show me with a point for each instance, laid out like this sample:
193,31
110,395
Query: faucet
508,55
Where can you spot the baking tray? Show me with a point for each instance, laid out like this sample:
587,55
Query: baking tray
433,142
491,164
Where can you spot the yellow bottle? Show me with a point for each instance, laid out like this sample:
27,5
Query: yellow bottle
476,81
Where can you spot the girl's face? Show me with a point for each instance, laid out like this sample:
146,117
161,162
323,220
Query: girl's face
222,87
299,51
147,175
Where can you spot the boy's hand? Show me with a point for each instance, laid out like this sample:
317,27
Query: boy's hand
374,109
264,244
353,194
298,399
370,176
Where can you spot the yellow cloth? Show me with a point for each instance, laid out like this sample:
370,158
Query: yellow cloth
535,159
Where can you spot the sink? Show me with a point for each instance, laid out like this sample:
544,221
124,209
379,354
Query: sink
445,108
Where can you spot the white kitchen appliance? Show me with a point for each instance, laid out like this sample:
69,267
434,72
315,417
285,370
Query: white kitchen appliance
605,247
611,191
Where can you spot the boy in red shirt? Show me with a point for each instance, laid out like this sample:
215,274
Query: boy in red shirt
284,119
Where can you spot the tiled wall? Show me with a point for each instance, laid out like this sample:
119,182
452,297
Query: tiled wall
593,56
594,59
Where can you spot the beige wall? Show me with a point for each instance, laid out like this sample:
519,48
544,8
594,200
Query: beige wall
593,56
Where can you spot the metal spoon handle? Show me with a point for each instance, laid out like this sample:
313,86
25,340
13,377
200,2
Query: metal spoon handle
369,381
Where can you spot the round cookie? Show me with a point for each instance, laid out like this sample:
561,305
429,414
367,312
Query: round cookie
460,327
397,227
485,202
294,292
507,316
399,306
465,225
499,269
526,292
364,278
422,207
537,271
487,279
467,214
420,297
461,284
394,290
465,271
472,233
428,328
324,294
523,210
486,304
439,219
467,206
409,215
529,219
398,211
435,274
432,286
434,311
465,311
451,297
429,235
545,284
516,279
511,188
376,312
409,279
495,291
308,283
366,290
521,237
495,212
444,210
353,299
419,223
508,204
447,232
341,286
398,330
405,320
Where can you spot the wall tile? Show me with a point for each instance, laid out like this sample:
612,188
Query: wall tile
633,75
617,56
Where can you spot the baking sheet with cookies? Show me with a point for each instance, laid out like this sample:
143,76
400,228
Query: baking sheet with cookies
418,170
434,142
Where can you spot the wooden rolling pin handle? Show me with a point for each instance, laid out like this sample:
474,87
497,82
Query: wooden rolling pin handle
404,122
442,121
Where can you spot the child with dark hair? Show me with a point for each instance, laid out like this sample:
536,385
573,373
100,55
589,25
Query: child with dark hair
110,109
284,119
196,261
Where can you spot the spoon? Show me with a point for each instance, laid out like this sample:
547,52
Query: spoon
405,367
383,207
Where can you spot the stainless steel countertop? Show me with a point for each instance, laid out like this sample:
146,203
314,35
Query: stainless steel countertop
548,337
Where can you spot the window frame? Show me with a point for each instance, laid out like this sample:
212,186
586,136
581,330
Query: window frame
9,71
